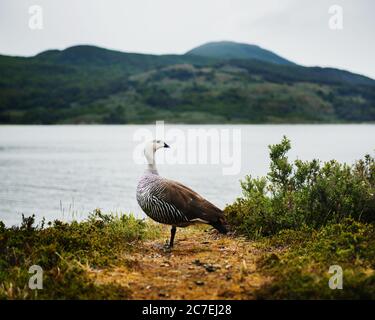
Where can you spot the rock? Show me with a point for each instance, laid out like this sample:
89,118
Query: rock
163,294
199,283
197,262
210,268
227,294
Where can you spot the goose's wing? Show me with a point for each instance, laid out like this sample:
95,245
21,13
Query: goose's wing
190,203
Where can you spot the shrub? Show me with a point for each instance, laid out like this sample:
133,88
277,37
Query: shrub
303,193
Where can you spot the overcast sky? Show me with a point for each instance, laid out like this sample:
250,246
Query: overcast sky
296,29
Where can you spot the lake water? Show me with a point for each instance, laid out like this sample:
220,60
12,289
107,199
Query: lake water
65,172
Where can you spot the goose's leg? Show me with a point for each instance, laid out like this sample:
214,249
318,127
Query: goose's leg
173,232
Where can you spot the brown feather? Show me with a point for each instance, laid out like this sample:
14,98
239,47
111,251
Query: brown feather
190,203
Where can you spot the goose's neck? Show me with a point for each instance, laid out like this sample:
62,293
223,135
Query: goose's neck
150,157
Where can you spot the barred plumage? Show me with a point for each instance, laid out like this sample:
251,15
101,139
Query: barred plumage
170,202
150,199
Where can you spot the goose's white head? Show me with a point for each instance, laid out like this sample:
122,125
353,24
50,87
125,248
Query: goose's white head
155,145
150,149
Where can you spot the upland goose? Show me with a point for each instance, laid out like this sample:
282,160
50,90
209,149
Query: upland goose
170,202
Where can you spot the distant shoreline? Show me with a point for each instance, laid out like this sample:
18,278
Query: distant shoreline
188,123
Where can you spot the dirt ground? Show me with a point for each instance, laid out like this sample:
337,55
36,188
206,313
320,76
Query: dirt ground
202,265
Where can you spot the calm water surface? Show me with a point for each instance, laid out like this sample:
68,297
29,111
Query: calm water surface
64,172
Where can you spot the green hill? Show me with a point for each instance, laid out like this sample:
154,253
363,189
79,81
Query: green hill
234,50
87,84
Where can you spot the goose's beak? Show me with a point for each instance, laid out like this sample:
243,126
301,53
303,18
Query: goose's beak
166,146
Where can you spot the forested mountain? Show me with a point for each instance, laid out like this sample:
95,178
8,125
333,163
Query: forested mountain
87,84
234,50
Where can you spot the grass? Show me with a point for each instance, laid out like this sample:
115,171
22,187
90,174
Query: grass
299,262
65,251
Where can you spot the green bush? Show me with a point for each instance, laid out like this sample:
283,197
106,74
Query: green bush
303,193
64,250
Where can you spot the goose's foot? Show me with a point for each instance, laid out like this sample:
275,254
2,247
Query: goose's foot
167,246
